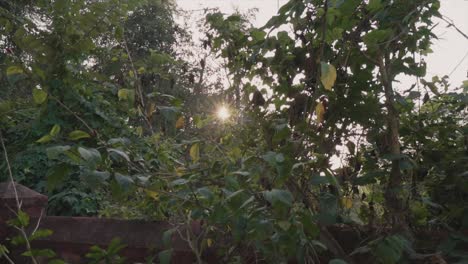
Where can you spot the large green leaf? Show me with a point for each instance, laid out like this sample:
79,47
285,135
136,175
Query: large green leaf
57,176
39,96
276,196
90,154
78,134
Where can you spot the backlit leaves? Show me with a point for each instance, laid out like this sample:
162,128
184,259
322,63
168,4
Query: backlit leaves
328,75
39,96
78,134
195,152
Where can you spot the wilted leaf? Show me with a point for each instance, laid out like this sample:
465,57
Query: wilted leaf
209,242
320,112
347,202
180,122
195,152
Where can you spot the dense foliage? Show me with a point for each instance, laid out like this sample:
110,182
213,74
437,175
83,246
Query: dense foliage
99,110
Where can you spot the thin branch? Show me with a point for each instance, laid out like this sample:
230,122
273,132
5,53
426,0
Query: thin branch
10,174
18,204
77,117
38,222
450,23
138,85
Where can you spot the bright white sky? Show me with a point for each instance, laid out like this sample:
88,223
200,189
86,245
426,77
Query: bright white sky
451,50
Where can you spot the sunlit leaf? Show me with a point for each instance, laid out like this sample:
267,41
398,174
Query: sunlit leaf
328,75
55,130
78,134
45,139
195,152
39,96
13,70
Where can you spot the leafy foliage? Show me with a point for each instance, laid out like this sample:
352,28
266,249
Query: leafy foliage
103,114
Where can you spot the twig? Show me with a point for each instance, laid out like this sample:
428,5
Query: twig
77,117
451,24
38,222
12,181
18,204
138,85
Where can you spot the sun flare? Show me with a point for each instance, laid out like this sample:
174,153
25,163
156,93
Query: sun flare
223,113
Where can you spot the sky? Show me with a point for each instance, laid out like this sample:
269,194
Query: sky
450,56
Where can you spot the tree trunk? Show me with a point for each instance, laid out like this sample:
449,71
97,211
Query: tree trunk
393,192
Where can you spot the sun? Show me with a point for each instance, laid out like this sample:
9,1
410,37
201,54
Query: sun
223,113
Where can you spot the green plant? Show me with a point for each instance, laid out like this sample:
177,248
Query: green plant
107,256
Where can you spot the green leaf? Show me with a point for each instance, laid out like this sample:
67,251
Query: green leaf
49,253
328,75
54,152
15,74
165,256
22,219
41,233
78,134
285,225
119,153
95,178
126,95
56,176
45,139
90,155
377,36
279,196
375,5
55,130
14,70
179,182
124,181
167,236
39,96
